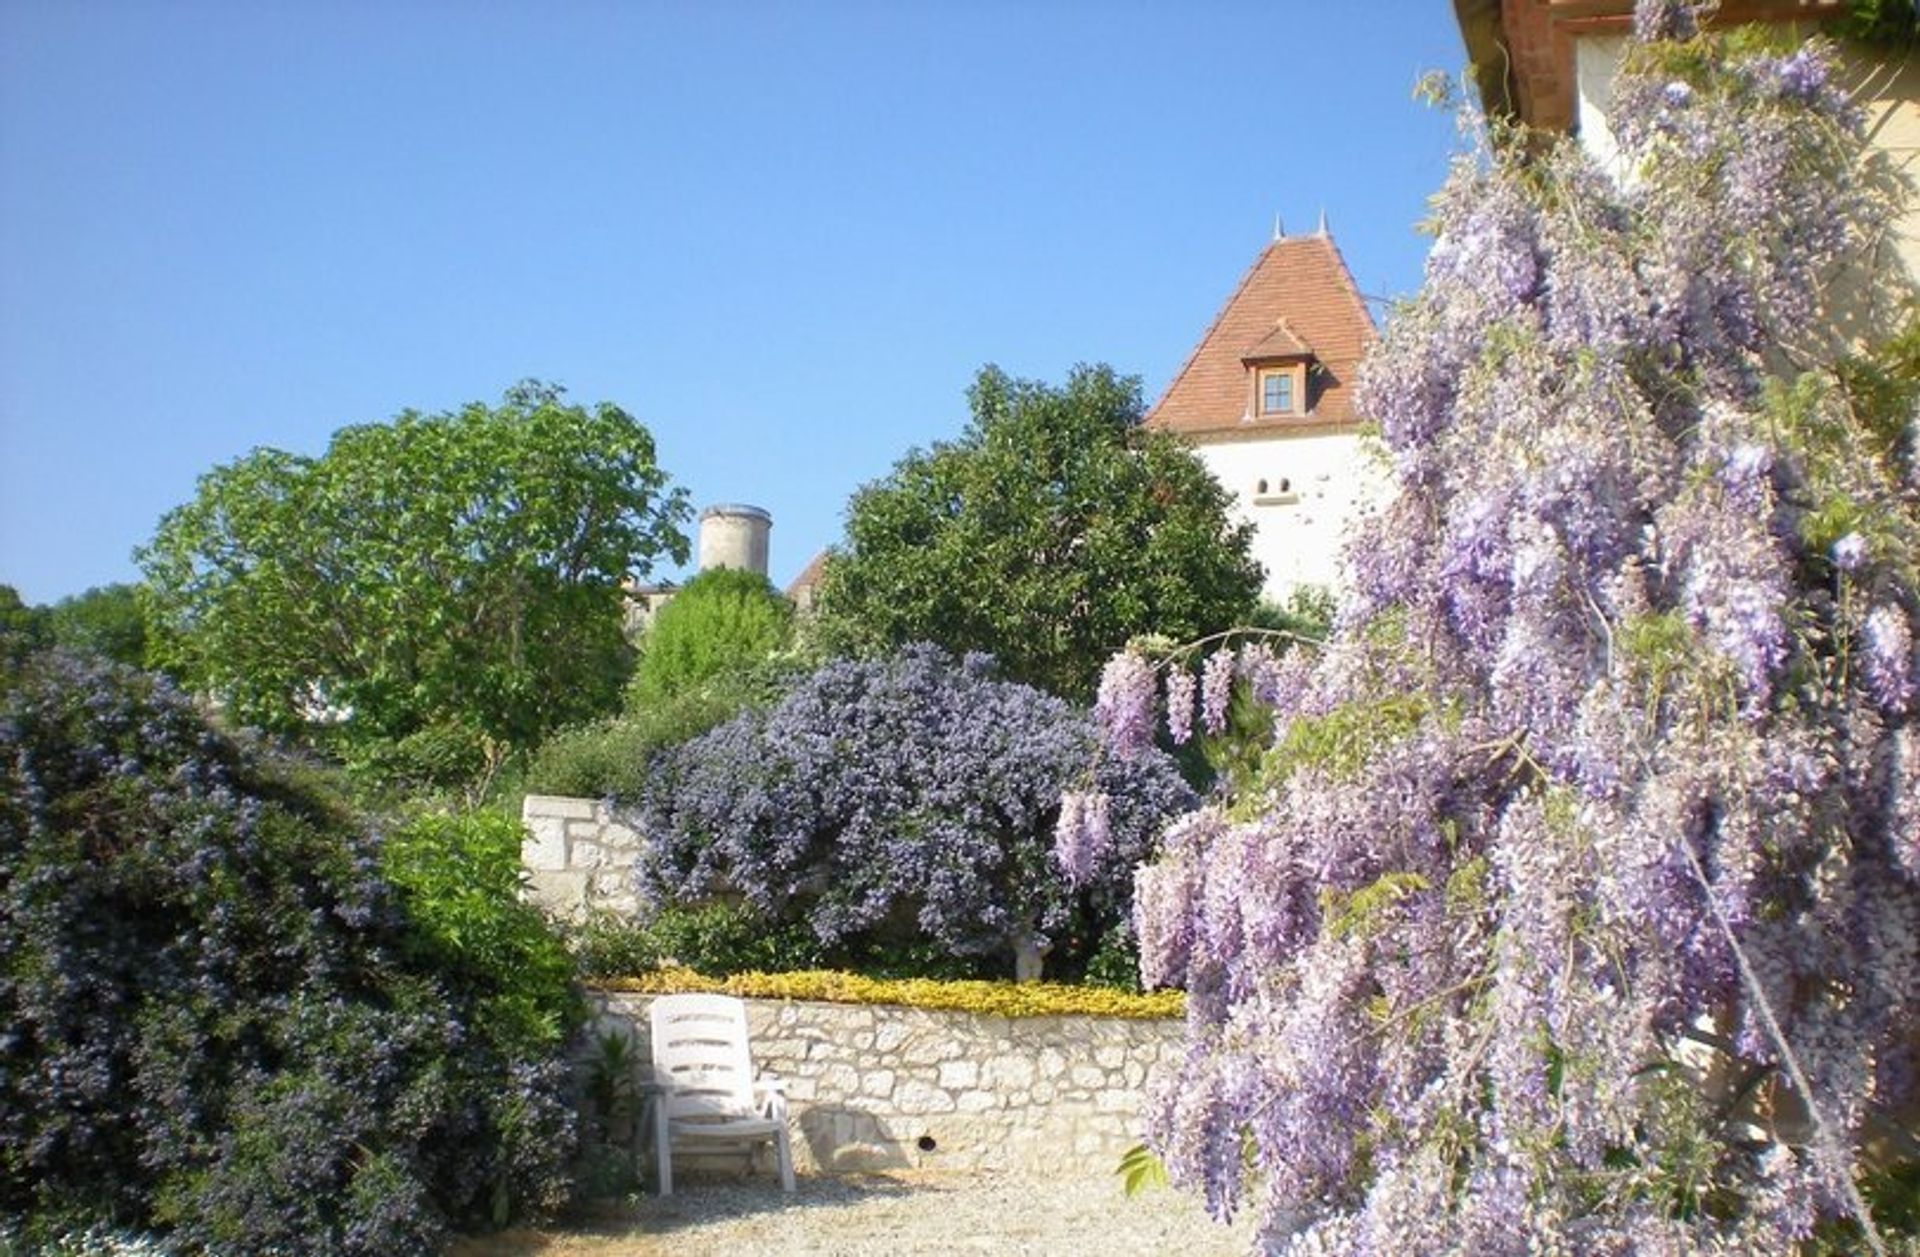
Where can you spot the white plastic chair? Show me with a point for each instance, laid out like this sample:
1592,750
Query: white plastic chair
704,1089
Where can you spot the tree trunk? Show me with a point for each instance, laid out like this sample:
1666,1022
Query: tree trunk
1027,956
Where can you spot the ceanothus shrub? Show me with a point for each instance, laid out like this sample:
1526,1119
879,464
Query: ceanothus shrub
914,795
215,1019
1575,908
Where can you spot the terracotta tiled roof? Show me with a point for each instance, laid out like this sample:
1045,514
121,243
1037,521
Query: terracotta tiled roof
1297,290
1281,342
809,578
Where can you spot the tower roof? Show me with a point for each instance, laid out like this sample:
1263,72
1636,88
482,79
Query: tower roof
1297,299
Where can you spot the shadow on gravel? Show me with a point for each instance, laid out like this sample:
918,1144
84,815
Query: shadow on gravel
695,1203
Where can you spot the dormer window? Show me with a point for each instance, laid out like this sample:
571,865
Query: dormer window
1276,392
1281,390
1277,366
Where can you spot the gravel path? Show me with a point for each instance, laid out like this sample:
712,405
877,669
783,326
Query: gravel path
912,1212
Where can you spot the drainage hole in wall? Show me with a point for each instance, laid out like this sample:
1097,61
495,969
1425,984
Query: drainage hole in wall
927,1143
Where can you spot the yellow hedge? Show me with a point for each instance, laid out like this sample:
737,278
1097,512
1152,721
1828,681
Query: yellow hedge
1002,999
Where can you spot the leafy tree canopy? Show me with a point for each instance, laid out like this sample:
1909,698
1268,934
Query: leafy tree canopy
23,630
1051,532
106,620
454,577
723,621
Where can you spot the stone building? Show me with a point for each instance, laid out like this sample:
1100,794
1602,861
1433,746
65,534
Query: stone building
1266,400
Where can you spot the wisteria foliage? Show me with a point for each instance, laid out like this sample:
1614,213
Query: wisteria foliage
1575,909
917,792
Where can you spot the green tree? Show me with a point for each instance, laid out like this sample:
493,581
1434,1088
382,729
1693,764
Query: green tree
451,581
723,621
23,630
106,620
1051,532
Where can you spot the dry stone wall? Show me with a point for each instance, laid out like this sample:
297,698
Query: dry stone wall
578,857
875,1087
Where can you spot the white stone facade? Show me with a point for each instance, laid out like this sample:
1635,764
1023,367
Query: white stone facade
1302,493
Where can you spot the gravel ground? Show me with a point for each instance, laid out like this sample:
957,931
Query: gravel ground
914,1212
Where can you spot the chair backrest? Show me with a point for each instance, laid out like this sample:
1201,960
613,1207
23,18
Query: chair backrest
700,1048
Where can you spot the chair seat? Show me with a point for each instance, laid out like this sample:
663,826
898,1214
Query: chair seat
726,1128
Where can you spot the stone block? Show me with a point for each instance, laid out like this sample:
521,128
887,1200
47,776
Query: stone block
914,1096
1010,1072
976,1101
959,1075
545,846
558,806
1088,1076
878,1084
564,892
840,1081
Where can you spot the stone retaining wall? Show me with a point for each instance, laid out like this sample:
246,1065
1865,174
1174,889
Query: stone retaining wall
874,1087
578,857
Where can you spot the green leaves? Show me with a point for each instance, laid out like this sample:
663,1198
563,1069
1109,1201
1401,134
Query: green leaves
1140,1170
1050,533
725,621
458,572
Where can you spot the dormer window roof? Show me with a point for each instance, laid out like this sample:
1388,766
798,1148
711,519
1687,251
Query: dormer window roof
1279,345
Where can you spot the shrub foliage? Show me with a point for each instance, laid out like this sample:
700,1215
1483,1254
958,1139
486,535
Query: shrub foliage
914,796
216,1017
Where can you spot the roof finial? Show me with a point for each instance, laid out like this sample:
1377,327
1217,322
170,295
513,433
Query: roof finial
1323,221
1279,232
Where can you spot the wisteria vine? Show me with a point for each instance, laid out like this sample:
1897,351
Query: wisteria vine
1575,906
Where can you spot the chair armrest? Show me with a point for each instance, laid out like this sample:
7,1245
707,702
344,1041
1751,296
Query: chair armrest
772,1093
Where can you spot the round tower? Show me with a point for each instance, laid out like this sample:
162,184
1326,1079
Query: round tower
734,536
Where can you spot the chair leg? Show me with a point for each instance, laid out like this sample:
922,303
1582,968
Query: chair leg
663,1147
784,1151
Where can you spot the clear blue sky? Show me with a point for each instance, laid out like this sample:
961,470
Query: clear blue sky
783,236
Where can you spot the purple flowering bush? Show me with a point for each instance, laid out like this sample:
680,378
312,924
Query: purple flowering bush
219,1020
1575,906
910,797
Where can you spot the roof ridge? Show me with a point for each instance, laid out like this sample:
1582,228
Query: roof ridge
1346,275
1219,316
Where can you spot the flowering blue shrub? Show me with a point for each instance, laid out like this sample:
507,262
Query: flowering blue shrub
215,1018
1576,905
915,795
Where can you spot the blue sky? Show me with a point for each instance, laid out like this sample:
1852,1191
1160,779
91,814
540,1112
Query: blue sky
783,236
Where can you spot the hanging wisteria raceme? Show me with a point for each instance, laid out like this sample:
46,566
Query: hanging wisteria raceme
1575,907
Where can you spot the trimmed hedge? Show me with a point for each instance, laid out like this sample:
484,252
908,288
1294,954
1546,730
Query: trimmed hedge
997,999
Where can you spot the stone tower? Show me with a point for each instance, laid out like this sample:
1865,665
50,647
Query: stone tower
735,536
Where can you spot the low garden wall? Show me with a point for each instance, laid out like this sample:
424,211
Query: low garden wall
578,857
875,1087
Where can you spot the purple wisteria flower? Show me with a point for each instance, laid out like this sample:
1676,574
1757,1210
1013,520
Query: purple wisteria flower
1123,708
1886,654
1216,689
1602,793
1849,552
1180,692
